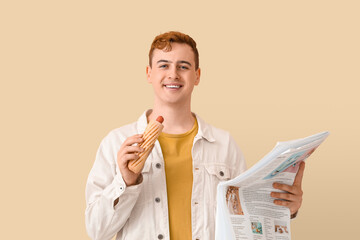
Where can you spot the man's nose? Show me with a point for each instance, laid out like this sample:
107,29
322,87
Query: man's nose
173,73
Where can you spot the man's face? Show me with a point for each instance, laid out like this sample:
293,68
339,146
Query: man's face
173,74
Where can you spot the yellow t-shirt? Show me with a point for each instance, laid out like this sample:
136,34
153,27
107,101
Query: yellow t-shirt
176,149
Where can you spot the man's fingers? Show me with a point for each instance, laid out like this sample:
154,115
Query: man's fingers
133,149
282,203
128,157
292,197
283,187
125,158
288,188
300,174
284,196
133,139
293,207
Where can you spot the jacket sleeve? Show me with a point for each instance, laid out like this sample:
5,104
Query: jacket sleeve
104,185
237,157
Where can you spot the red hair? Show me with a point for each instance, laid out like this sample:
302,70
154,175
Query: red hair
163,42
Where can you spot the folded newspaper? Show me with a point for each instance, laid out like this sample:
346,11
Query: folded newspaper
245,209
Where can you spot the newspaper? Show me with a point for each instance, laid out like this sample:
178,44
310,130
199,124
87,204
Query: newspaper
245,209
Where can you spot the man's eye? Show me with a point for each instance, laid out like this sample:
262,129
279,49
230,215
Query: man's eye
184,67
163,66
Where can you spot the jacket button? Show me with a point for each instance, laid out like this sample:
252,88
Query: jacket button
221,173
160,236
158,165
157,200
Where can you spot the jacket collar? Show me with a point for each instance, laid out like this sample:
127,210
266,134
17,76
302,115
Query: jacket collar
205,130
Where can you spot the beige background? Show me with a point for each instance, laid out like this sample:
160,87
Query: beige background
271,70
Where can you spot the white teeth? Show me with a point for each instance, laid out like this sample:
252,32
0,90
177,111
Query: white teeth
172,86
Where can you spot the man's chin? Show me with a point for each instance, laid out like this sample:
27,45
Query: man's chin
173,102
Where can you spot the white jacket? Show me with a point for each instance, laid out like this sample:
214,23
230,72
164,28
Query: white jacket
142,211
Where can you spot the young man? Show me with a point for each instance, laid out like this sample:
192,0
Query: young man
174,195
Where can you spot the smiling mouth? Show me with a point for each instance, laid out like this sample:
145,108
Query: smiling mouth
172,86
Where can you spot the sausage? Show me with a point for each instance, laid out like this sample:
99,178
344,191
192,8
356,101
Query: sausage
160,119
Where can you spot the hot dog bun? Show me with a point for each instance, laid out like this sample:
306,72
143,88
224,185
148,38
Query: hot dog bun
150,136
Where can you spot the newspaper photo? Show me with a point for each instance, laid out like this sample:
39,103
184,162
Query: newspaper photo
245,209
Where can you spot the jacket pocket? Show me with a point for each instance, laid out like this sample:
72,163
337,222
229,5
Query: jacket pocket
214,173
221,172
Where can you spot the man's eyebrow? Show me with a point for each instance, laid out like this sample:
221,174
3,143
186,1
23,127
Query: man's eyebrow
167,61
186,62
162,60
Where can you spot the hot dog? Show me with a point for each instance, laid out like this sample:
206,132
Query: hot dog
150,136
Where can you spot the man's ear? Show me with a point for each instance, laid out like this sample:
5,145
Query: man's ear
197,73
148,73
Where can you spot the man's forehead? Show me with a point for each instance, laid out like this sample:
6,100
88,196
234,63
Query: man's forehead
178,52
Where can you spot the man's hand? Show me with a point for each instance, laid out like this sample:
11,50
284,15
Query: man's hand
292,197
126,153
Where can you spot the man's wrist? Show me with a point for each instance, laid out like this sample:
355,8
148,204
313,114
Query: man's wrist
137,182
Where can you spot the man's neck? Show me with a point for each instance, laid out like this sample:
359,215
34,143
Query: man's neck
177,120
